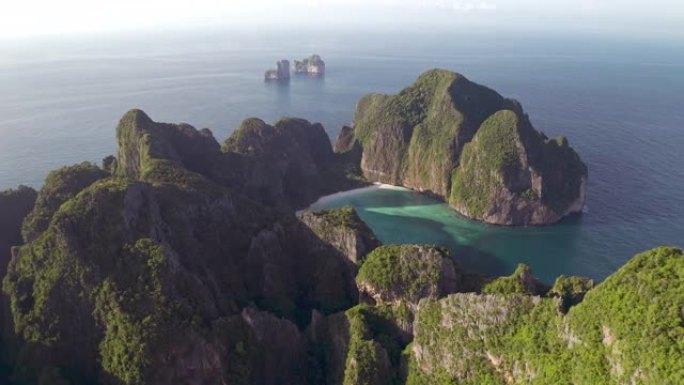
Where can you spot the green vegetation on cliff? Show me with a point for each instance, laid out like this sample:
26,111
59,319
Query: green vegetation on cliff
626,330
343,229
60,186
484,161
571,290
414,138
343,216
15,205
465,143
287,165
183,263
374,354
632,324
128,275
520,282
407,272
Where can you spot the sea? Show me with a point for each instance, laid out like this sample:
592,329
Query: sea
619,101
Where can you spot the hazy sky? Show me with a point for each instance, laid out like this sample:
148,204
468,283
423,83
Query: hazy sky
20,18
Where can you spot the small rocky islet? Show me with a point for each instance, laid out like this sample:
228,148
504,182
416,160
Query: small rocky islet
313,66
181,260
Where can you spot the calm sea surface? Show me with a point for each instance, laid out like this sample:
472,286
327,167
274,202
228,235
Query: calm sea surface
620,103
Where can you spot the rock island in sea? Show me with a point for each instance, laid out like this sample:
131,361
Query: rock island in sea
313,65
281,72
466,144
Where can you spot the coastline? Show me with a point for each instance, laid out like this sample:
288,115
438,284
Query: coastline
340,194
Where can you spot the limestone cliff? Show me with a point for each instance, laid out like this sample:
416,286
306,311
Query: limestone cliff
60,186
359,346
516,331
407,273
343,229
280,73
520,282
183,263
313,65
148,276
287,165
522,339
510,174
15,204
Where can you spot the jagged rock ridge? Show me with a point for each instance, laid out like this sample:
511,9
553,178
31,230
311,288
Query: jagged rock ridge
164,272
287,165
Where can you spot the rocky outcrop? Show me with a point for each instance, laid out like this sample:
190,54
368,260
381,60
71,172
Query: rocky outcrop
359,346
407,273
282,348
343,229
512,175
313,65
465,143
522,281
149,150
287,165
571,290
523,339
281,73
520,335
345,140
60,186
178,264
15,204
147,270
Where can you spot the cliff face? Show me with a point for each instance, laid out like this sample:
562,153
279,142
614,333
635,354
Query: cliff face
149,276
520,339
60,186
15,204
128,265
510,174
312,65
407,273
282,71
414,138
512,330
287,165
178,265
419,138
343,229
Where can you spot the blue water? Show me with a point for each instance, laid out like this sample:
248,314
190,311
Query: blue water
620,102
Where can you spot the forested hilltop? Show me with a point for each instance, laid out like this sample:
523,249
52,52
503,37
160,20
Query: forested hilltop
181,261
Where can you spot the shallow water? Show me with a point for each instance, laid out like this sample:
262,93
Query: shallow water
574,246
